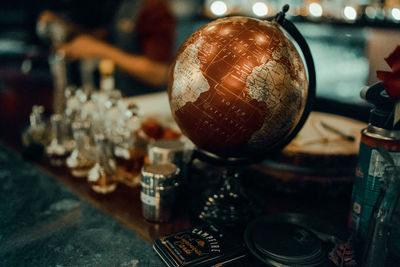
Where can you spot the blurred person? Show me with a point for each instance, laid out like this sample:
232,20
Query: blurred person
140,40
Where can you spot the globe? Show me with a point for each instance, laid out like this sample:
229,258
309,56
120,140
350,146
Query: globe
238,87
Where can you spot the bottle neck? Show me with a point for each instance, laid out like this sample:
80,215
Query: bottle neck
107,82
57,129
36,117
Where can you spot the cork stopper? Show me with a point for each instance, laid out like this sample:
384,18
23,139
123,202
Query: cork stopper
106,66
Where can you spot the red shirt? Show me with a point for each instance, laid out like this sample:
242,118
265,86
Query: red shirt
155,27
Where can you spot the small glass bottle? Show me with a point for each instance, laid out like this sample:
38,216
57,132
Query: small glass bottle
129,150
102,177
71,113
100,97
87,68
58,67
113,116
56,151
130,160
38,131
106,68
81,159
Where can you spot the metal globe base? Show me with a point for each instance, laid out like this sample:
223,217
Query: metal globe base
227,205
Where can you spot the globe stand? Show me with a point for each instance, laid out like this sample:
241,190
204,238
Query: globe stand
227,204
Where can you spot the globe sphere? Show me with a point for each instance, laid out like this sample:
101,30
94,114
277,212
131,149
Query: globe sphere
238,87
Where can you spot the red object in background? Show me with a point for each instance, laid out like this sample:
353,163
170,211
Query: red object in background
18,93
154,130
170,134
393,59
391,79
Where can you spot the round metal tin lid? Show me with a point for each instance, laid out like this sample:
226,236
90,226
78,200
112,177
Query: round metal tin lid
282,243
166,169
286,242
160,174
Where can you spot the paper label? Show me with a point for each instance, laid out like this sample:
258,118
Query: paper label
378,164
148,200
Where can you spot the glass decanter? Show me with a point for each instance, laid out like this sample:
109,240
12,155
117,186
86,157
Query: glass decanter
38,131
57,151
102,177
129,149
130,159
113,118
82,157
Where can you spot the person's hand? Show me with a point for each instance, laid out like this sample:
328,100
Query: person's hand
84,46
50,17
53,26
59,29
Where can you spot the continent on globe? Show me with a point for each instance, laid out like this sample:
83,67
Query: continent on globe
238,87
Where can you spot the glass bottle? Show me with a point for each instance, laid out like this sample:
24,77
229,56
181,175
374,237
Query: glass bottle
38,131
102,177
87,68
113,116
106,68
130,159
129,149
107,85
56,151
71,113
58,67
82,158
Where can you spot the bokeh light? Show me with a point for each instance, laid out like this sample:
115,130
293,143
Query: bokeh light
396,13
260,9
315,9
350,13
218,8
370,12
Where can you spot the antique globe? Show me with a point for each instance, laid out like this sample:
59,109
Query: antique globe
238,89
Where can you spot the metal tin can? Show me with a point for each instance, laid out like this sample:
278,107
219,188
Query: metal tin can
159,191
371,166
165,151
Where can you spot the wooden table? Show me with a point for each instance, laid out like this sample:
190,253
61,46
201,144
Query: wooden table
125,206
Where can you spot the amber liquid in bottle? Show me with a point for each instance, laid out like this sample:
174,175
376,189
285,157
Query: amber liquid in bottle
129,165
100,181
80,161
56,151
102,177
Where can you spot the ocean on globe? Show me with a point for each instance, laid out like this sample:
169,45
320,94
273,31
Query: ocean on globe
238,87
